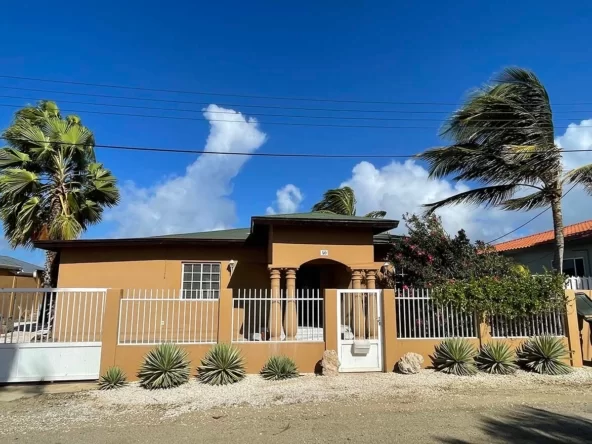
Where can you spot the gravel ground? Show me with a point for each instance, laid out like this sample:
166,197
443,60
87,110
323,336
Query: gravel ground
134,405
255,391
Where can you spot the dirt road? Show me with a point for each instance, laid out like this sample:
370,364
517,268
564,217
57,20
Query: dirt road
541,416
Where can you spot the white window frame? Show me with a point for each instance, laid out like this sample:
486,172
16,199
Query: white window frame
200,294
575,259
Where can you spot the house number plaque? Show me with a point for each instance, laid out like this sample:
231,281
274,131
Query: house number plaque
324,252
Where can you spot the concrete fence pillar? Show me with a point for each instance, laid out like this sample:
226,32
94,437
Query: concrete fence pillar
110,334
225,309
389,329
331,319
572,329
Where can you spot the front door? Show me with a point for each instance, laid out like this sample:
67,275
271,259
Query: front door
359,330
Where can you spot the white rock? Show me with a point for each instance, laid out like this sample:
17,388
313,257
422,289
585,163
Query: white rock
410,363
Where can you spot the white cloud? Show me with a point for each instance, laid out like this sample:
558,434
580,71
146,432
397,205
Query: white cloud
199,200
576,137
288,200
399,188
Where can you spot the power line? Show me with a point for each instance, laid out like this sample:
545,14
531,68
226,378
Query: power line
247,96
260,114
248,105
326,125
530,220
256,154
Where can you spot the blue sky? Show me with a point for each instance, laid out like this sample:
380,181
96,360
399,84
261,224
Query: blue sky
365,51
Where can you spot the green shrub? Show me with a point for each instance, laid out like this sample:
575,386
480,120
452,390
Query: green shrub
455,356
496,358
112,379
544,355
279,367
516,295
222,365
165,366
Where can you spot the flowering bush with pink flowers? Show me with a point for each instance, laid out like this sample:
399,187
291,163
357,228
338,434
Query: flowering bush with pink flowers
428,256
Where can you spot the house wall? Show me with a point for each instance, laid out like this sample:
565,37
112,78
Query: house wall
158,267
294,246
539,258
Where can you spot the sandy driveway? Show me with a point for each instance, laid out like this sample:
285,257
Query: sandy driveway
452,410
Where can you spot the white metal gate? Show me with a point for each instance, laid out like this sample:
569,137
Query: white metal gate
60,343
359,335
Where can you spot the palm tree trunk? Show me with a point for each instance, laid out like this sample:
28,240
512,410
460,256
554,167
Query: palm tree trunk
50,277
558,228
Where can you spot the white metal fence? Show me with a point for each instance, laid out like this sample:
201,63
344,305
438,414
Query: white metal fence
579,283
48,315
419,317
257,317
551,324
157,316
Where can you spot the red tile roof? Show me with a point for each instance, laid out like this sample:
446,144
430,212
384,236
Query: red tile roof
579,229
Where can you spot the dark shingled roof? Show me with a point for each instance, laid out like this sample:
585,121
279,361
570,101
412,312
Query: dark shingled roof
255,234
10,263
234,234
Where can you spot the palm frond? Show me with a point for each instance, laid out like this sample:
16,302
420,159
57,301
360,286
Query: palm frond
18,181
339,201
10,157
489,196
376,214
538,199
581,175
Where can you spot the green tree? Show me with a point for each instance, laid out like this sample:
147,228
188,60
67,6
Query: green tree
342,201
503,137
51,186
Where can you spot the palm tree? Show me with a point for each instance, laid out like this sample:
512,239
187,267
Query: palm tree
342,201
51,186
503,137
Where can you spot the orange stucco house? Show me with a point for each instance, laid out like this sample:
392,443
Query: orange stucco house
308,250
286,285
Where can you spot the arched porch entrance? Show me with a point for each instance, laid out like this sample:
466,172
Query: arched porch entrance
320,274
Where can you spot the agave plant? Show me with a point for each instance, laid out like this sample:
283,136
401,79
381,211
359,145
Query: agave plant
496,358
279,367
544,354
223,364
455,356
113,378
165,366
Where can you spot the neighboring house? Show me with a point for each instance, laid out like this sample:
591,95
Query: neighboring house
18,274
536,251
316,250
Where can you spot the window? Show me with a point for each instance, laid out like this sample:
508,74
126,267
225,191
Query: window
574,267
201,281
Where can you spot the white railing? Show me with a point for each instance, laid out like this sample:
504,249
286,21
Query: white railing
158,316
256,317
51,315
549,324
579,283
419,317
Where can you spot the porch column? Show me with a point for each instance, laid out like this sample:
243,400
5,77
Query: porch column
275,310
371,304
358,318
291,317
